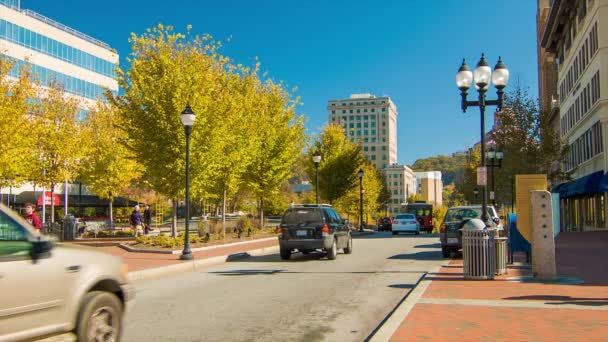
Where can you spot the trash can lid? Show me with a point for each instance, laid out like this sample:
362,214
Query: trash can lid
474,224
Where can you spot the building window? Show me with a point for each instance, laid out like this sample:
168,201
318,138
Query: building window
365,148
373,157
350,111
333,112
374,148
383,132
358,111
373,110
343,111
384,109
384,157
364,110
358,125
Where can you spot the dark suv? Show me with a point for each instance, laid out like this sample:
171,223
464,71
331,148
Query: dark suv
311,227
450,233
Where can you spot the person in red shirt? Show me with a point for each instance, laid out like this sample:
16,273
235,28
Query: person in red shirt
31,216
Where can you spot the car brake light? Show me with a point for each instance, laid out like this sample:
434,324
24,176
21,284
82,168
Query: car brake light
442,228
325,229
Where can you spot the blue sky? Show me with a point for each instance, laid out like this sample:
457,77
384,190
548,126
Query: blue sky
409,50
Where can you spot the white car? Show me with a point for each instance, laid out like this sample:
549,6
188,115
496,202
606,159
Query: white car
405,223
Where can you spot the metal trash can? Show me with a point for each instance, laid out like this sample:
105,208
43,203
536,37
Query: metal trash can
501,255
70,226
478,250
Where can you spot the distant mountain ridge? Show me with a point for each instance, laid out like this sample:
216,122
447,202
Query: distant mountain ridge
451,167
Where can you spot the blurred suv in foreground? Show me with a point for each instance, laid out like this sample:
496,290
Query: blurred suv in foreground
311,227
455,218
50,289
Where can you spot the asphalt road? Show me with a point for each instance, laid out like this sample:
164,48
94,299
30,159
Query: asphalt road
263,298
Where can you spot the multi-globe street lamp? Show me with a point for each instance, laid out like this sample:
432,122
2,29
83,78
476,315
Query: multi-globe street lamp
494,160
482,76
316,158
188,119
360,175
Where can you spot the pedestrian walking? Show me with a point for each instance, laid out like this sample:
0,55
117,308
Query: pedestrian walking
31,216
136,221
147,220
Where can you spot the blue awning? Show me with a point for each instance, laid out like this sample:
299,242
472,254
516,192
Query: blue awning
589,184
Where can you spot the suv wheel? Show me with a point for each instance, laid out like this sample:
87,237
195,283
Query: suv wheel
349,245
100,317
332,252
285,254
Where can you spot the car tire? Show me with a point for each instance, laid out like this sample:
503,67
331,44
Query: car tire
417,233
100,317
285,254
332,252
446,252
349,245
395,233
306,251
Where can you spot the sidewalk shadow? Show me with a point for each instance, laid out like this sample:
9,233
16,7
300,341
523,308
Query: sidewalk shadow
426,255
561,300
430,245
282,271
402,286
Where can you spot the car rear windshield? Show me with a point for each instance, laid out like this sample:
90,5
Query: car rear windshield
303,216
459,214
405,217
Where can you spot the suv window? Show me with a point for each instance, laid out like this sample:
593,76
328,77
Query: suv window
332,215
302,215
13,238
460,214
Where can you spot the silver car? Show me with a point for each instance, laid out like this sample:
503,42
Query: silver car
52,288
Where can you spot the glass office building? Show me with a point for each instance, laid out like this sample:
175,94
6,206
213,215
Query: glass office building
55,52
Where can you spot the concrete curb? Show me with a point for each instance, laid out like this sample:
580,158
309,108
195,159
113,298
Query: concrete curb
156,272
198,249
399,314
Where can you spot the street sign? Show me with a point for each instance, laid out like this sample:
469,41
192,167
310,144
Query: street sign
482,176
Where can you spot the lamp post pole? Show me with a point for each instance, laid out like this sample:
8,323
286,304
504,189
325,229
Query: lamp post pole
482,75
360,174
494,161
316,158
187,118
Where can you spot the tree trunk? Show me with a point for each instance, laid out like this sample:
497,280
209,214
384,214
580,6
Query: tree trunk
52,202
262,213
224,215
174,224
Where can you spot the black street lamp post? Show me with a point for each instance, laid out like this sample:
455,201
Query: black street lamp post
494,160
482,75
360,175
187,118
317,159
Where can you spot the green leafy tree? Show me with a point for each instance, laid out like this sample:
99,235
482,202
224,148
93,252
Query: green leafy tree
17,152
167,71
374,192
60,142
529,144
280,134
110,166
340,161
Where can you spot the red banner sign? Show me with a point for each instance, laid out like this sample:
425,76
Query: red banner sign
48,200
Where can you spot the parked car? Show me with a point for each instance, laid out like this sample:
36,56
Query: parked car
311,227
405,223
51,288
455,218
385,224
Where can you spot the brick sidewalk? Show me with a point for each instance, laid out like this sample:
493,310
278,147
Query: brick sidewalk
143,261
456,309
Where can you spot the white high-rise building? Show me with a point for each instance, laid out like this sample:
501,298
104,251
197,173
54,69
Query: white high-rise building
84,65
371,121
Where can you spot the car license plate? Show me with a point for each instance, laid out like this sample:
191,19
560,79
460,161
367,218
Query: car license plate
452,240
301,233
